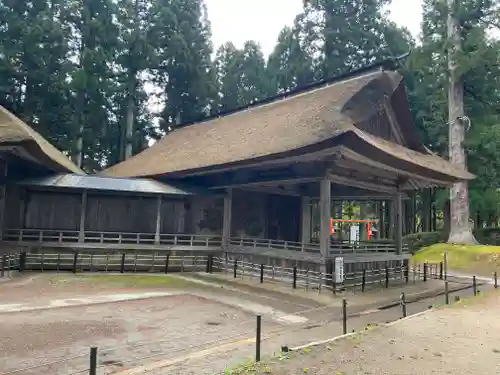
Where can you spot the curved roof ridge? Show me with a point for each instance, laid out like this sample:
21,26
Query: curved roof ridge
16,132
428,161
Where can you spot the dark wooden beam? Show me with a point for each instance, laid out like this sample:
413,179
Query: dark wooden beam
294,192
330,153
354,160
372,184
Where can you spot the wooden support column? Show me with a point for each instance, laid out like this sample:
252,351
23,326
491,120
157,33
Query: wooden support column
381,216
226,224
83,212
305,231
158,220
324,214
391,220
3,192
398,209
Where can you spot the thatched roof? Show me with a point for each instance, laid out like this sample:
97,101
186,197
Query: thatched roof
274,129
26,143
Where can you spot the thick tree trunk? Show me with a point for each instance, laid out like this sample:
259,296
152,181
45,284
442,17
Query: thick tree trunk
129,123
460,231
80,120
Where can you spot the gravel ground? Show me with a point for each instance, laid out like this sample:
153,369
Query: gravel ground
199,335
172,324
460,339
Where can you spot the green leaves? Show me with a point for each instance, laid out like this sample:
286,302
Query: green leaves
479,65
242,76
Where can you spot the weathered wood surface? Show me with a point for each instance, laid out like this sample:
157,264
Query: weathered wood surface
352,257
33,209
116,262
110,240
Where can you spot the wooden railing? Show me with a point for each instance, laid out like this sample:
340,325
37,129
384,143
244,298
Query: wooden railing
335,248
62,237
383,275
274,244
112,261
68,238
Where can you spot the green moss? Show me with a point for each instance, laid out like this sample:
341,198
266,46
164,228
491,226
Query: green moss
126,281
482,259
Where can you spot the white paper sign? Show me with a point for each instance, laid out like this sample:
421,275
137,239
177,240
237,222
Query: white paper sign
354,234
339,270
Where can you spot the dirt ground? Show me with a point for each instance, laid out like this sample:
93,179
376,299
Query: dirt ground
460,339
201,328
127,333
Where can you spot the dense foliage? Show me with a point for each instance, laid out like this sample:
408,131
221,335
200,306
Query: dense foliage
110,75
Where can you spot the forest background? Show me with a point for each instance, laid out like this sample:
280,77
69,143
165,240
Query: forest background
84,73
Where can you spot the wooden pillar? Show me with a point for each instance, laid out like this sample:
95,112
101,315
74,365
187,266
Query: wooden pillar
324,214
158,219
381,223
426,210
405,217
398,210
414,212
391,220
226,224
305,231
3,193
83,212
363,234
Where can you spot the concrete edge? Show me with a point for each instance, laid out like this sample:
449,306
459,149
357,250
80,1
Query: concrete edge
88,304
337,338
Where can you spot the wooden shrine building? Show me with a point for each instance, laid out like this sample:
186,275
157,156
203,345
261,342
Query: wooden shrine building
241,182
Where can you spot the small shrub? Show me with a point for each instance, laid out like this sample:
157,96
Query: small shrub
488,236
416,241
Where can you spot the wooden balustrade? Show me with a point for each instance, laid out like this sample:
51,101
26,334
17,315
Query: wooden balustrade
335,248
97,238
273,244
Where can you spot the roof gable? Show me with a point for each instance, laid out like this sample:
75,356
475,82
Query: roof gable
17,137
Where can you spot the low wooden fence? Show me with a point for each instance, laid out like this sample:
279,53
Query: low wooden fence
164,262
297,274
55,260
311,279
8,263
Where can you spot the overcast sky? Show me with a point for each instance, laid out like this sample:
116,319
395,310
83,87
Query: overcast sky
262,20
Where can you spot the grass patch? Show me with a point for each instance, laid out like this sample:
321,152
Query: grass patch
249,368
472,301
293,360
480,259
126,281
